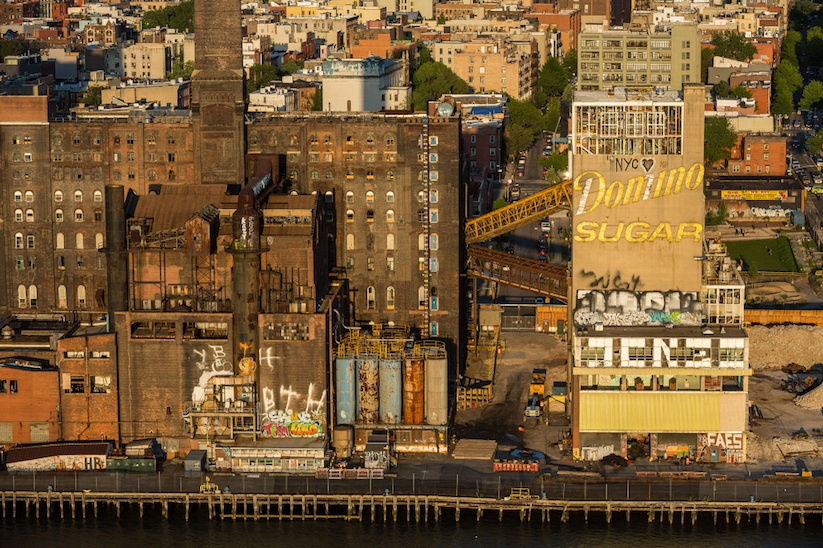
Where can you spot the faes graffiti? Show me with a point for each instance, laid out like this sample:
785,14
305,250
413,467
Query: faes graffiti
282,419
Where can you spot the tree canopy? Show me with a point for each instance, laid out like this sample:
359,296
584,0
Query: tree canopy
812,95
814,47
179,69
815,144
260,76
431,81
788,51
723,90
18,47
180,17
720,137
733,46
787,81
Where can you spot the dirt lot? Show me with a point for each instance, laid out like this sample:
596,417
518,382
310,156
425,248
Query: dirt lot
524,351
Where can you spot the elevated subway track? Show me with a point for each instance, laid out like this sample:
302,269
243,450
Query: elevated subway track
529,209
544,279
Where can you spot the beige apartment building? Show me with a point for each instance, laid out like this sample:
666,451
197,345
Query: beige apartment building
618,58
490,66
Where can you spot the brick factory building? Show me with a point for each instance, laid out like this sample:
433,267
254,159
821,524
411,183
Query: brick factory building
224,255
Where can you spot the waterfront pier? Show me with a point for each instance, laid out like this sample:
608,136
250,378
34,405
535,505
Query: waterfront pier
373,508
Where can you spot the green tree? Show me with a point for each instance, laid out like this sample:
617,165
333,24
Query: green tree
733,46
260,76
556,161
431,81
723,90
179,69
804,8
720,137
706,60
553,77
815,144
317,101
291,66
180,17
570,61
524,124
441,19
814,47
11,47
812,95
787,81
93,96
788,51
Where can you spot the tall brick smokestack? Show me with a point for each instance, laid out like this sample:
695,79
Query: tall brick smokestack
117,289
218,100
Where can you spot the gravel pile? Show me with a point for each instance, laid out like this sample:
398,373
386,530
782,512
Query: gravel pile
812,399
775,347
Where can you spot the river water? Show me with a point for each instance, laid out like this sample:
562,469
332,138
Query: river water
107,532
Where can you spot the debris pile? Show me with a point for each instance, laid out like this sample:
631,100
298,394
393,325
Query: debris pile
811,399
774,347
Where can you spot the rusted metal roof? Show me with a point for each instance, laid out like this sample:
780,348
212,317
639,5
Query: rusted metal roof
31,452
176,204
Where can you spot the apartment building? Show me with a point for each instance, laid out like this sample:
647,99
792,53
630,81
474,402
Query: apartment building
625,58
495,66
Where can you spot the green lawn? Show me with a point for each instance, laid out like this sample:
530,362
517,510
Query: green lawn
756,252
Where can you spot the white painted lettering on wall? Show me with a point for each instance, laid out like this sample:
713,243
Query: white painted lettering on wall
268,357
211,360
727,440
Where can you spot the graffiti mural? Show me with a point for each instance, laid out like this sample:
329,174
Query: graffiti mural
619,307
211,360
289,413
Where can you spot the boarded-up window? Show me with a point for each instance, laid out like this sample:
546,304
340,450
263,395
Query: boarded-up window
5,432
39,432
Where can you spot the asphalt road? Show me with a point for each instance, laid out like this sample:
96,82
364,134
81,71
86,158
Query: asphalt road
444,480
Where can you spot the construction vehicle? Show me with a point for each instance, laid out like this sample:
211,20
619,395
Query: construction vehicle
537,390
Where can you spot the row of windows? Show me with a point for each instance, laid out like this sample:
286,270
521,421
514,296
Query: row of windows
327,140
314,175
473,138
421,215
434,196
371,298
60,241
59,217
390,242
58,196
27,297
76,384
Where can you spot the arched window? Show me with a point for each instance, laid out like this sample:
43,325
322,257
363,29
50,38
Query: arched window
370,298
370,216
58,215
32,295
78,196
22,297
18,196
18,241
390,175
390,196
433,243
58,195
62,301
349,215
390,241
315,175
421,242
350,197
172,175
390,298
370,196
329,174
18,215
98,241
81,296
329,197
29,215
421,196
390,139
370,175
389,215
152,175
349,241
79,240
421,298
60,241
29,196
78,215
349,174
313,139
98,196
327,139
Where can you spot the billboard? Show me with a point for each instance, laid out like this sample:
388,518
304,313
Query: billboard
754,195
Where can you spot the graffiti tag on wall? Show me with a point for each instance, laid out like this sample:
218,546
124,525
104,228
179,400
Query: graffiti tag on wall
292,414
211,360
620,307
